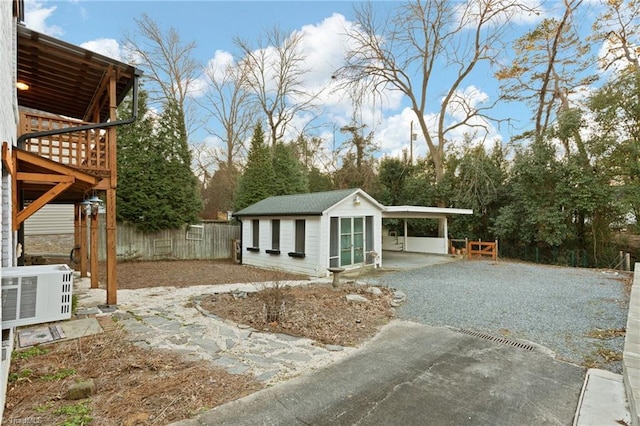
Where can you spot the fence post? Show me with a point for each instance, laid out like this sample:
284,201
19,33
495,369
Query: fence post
621,262
627,261
495,252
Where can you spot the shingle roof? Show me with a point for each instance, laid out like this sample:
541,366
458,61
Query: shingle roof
314,203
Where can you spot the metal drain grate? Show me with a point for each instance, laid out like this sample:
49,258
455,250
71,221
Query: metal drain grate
501,340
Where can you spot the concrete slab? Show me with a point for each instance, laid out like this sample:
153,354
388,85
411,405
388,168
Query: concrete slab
57,332
602,401
414,374
79,328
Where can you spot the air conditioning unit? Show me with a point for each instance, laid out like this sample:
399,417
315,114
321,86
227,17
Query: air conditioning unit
36,294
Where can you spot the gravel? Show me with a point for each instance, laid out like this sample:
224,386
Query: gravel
555,307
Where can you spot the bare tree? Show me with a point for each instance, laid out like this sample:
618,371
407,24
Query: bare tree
549,65
424,43
275,72
618,25
169,66
228,103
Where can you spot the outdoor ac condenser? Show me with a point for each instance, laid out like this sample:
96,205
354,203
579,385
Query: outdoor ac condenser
36,294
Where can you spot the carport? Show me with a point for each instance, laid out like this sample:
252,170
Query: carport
435,245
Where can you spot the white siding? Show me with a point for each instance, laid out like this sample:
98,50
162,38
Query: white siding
51,219
8,119
308,265
317,238
347,208
8,133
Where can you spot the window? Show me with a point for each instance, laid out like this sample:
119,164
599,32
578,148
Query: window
255,235
300,231
299,239
275,237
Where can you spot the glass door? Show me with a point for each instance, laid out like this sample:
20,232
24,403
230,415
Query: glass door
351,240
346,238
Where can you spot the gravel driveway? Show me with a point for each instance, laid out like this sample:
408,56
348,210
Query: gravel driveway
555,307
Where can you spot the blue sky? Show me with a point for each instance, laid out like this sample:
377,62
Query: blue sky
100,26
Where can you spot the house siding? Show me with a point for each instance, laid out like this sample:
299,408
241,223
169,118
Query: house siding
307,265
8,133
51,219
8,119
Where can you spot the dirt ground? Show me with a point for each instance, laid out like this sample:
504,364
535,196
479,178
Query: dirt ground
134,386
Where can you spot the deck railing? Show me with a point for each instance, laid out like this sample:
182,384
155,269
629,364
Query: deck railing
86,149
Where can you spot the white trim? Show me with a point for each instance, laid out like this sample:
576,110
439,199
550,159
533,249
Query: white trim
419,212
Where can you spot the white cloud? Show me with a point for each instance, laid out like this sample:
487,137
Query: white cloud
36,15
104,46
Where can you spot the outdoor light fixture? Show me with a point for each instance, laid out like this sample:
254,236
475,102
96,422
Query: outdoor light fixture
356,200
21,85
95,202
86,204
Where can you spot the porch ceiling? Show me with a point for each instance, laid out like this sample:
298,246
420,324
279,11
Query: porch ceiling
419,212
66,79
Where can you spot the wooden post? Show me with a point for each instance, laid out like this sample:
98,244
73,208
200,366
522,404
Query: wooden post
93,250
112,276
76,231
495,251
627,261
82,247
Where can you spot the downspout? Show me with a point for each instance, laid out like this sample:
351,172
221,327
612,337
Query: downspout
105,125
21,140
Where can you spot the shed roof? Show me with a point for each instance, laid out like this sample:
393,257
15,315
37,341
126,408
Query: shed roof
311,204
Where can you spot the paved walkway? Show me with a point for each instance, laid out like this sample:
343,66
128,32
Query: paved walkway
171,318
413,374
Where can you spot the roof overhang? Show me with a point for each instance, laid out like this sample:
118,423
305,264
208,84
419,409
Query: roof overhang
420,212
66,79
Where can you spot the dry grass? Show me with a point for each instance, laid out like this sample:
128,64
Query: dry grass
133,386
318,312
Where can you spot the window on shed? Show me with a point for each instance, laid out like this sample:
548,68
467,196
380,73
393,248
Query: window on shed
255,232
275,234
300,235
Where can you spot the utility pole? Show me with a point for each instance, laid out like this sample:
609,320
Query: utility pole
412,137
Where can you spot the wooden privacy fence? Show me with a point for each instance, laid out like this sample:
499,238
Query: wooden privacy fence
478,249
209,240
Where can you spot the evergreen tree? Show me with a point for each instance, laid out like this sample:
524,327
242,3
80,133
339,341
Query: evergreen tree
289,174
318,181
258,180
156,188
220,190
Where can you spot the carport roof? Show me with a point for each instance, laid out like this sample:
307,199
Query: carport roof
420,212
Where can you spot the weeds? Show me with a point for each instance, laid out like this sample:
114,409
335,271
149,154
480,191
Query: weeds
22,374
28,353
77,414
61,374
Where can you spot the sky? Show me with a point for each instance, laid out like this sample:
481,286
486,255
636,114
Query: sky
101,26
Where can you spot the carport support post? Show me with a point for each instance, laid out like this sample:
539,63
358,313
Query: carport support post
445,231
404,244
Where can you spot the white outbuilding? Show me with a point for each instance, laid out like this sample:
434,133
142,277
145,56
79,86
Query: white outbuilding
310,233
